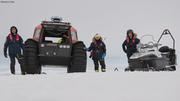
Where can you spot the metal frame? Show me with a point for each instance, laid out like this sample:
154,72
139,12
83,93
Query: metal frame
166,32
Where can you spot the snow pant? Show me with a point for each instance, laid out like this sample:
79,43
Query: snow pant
96,64
13,62
129,55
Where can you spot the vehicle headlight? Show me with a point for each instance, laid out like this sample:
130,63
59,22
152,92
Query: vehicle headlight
60,46
42,45
64,46
67,46
54,53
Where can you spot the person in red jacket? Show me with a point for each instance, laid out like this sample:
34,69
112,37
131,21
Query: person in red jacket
130,44
14,44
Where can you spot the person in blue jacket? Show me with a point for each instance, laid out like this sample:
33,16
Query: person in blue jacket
130,44
14,44
98,53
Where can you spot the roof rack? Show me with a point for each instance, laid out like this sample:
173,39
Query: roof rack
55,23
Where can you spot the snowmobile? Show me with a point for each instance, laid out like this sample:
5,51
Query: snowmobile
152,56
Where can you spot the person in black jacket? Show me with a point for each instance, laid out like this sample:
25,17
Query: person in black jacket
14,44
130,44
98,53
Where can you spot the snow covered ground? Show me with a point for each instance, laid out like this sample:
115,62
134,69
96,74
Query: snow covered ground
110,18
57,85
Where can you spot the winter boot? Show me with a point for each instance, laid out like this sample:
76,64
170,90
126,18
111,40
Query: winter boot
103,70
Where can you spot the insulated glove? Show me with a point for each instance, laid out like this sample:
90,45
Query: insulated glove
103,55
5,55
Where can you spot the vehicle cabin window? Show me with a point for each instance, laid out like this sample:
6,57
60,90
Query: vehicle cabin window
37,34
59,37
74,36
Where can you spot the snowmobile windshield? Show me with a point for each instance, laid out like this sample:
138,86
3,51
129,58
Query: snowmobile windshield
145,39
148,42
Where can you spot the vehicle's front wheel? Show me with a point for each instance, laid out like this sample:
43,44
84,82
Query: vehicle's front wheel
79,58
31,57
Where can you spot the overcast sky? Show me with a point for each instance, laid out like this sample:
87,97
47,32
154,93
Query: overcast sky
110,18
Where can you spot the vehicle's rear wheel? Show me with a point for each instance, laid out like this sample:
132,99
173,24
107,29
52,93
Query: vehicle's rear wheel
79,58
31,57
